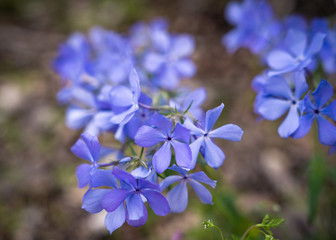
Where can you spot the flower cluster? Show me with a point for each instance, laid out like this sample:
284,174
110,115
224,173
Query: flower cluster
292,50
128,86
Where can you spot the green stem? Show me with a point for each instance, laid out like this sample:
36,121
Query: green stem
219,232
249,229
141,153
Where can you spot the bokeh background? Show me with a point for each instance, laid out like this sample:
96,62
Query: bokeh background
39,198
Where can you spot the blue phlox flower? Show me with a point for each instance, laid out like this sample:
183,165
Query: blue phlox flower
127,202
172,64
255,25
73,58
178,196
297,55
192,100
163,131
296,22
213,155
319,110
88,148
278,97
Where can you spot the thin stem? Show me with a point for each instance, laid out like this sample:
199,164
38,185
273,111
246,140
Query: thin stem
249,229
108,164
166,107
219,232
141,153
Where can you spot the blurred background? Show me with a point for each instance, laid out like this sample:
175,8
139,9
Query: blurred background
39,198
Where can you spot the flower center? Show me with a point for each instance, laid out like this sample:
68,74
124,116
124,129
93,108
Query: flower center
169,138
317,111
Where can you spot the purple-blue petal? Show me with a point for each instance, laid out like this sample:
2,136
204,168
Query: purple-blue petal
145,184
323,93
115,219
229,132
77,118
202,177
193,129
201,191
213,155
83,174
290,124
315,44
169,181
124,176
327,131
92,200
273,108
178,197
211,117
181,133
100,177
161,122
135,211
195,147
278,60
157,202
162,157
114,199
183,154
147,136
87,148
330,110
301,85
305,124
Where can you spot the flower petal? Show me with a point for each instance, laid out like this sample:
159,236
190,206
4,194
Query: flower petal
178,197
162,157
115,219
92,200
277,86
323,93
327,131
201,191
87,148
315,44
182,154
278,60
272,108
296,41
195,148
290,124
213,155
193,129
153,61
181,133
186,68
169,181
229,132
125,177
100,177
135,211
161,122
77,118
202,177
305,124
211,117
157,202
114,198
301,85
83,174
147,136
330,110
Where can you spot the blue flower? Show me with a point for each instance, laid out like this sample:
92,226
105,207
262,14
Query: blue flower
277,97
88,148
164,132
171,62
178,196
213,155
318,111
297,54
132,191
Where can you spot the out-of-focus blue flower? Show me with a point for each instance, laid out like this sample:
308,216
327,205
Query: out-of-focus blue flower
178,196
296,22
170,61
319,110
192,100
131,192
256,27
177,137
297,55
277,98
213,155
73,59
